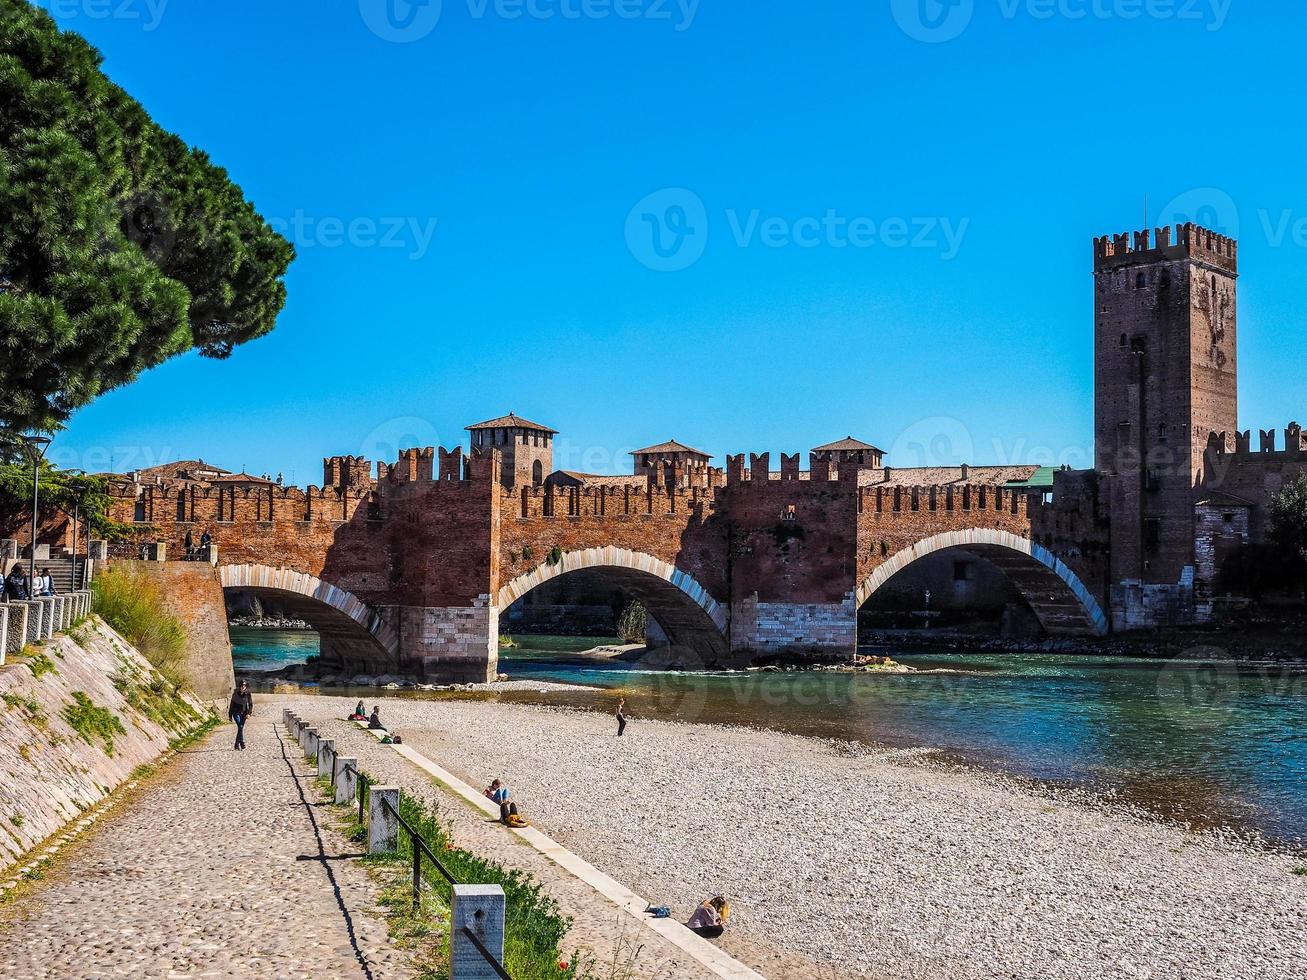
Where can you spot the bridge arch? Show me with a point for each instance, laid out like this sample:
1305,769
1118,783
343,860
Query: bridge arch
1055,593
329,605
685,610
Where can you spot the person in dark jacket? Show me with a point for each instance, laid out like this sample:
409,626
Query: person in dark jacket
239,710
16,584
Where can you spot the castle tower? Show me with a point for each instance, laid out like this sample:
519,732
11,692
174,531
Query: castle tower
526,448
1164,377
848,452
671,464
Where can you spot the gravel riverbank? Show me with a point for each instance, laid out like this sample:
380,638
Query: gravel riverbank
873,862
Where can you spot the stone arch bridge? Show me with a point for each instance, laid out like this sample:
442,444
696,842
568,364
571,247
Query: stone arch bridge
409,573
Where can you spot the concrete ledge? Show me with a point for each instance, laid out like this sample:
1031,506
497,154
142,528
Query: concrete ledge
711,957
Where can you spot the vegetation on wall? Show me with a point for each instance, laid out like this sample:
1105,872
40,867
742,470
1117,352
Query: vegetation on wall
92,722
60,492
633,622
132,603
120,246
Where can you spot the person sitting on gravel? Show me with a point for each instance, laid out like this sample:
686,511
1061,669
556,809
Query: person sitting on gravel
360,713
709,919
374,722
498,793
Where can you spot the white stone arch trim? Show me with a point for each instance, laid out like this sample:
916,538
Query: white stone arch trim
289,580
610,557
985,536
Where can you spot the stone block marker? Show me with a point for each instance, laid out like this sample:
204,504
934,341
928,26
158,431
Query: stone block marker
35,628
18,613
479,908
47,617
4,632
383,824
303,736
346,783
311,743
326,752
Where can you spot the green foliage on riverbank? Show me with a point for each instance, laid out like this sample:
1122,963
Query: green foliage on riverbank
92,722
534,926
133,605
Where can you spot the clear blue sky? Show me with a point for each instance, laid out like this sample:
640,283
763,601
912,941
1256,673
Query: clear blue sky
530,141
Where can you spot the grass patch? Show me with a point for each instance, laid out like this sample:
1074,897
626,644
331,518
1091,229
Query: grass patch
534,926
155,697
132,603
17,820
1301,872
39,664
92,722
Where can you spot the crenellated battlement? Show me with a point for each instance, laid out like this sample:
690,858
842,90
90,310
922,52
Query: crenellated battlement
630,500
949,498
1146,247
1240,444
436,464
346,471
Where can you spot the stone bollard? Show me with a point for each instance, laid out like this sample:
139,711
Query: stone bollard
383,825
479,908
326,753
311,744
4,631
347,787
302,735
47,617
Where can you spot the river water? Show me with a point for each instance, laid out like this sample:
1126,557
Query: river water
1211,743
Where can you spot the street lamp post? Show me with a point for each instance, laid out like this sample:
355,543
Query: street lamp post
35,447
77,507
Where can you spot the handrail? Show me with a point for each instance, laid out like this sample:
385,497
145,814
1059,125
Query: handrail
419,842
488,956
420,847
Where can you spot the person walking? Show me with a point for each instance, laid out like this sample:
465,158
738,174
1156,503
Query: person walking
239,711
621,717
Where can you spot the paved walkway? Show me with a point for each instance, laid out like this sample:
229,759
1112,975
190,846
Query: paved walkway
214,870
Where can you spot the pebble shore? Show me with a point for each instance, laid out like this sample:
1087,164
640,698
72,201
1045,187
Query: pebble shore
872,863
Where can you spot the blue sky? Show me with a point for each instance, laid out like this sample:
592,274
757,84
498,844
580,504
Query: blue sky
873,217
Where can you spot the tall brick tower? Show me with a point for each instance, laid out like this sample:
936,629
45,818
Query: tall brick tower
527,448
1164,377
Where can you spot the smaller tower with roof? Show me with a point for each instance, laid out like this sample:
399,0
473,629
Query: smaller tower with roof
672,464
526,448
848,452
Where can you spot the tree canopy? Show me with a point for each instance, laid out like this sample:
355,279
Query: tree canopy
120,246
1287,527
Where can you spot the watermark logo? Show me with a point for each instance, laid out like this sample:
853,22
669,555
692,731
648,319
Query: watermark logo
667,231
938,441
1199,694
401,21
933,21
937,21
409,233
1207,207
148,13
384,442
147,220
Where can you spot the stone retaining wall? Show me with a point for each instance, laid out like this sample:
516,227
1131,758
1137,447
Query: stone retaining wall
50,772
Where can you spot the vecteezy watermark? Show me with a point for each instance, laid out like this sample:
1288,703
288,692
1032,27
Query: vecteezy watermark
668,230
108,459
937,21
400,21
1207,207
406,21
395,232
384,443
149,13
943,440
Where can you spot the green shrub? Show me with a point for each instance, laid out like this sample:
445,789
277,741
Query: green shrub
92,722
631,625
40,663
132,603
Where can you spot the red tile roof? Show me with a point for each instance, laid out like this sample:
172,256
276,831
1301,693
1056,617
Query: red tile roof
511,421
671,446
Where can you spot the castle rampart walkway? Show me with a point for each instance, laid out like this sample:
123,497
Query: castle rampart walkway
213,870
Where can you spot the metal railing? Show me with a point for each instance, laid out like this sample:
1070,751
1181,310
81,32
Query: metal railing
418,843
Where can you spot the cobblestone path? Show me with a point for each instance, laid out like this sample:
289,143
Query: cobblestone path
215,869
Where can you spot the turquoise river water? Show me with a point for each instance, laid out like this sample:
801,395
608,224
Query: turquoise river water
1211,743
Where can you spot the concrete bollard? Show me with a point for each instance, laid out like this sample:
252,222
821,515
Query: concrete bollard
311,744
4,631
479,908
300,731
346,784
325,755
383,825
